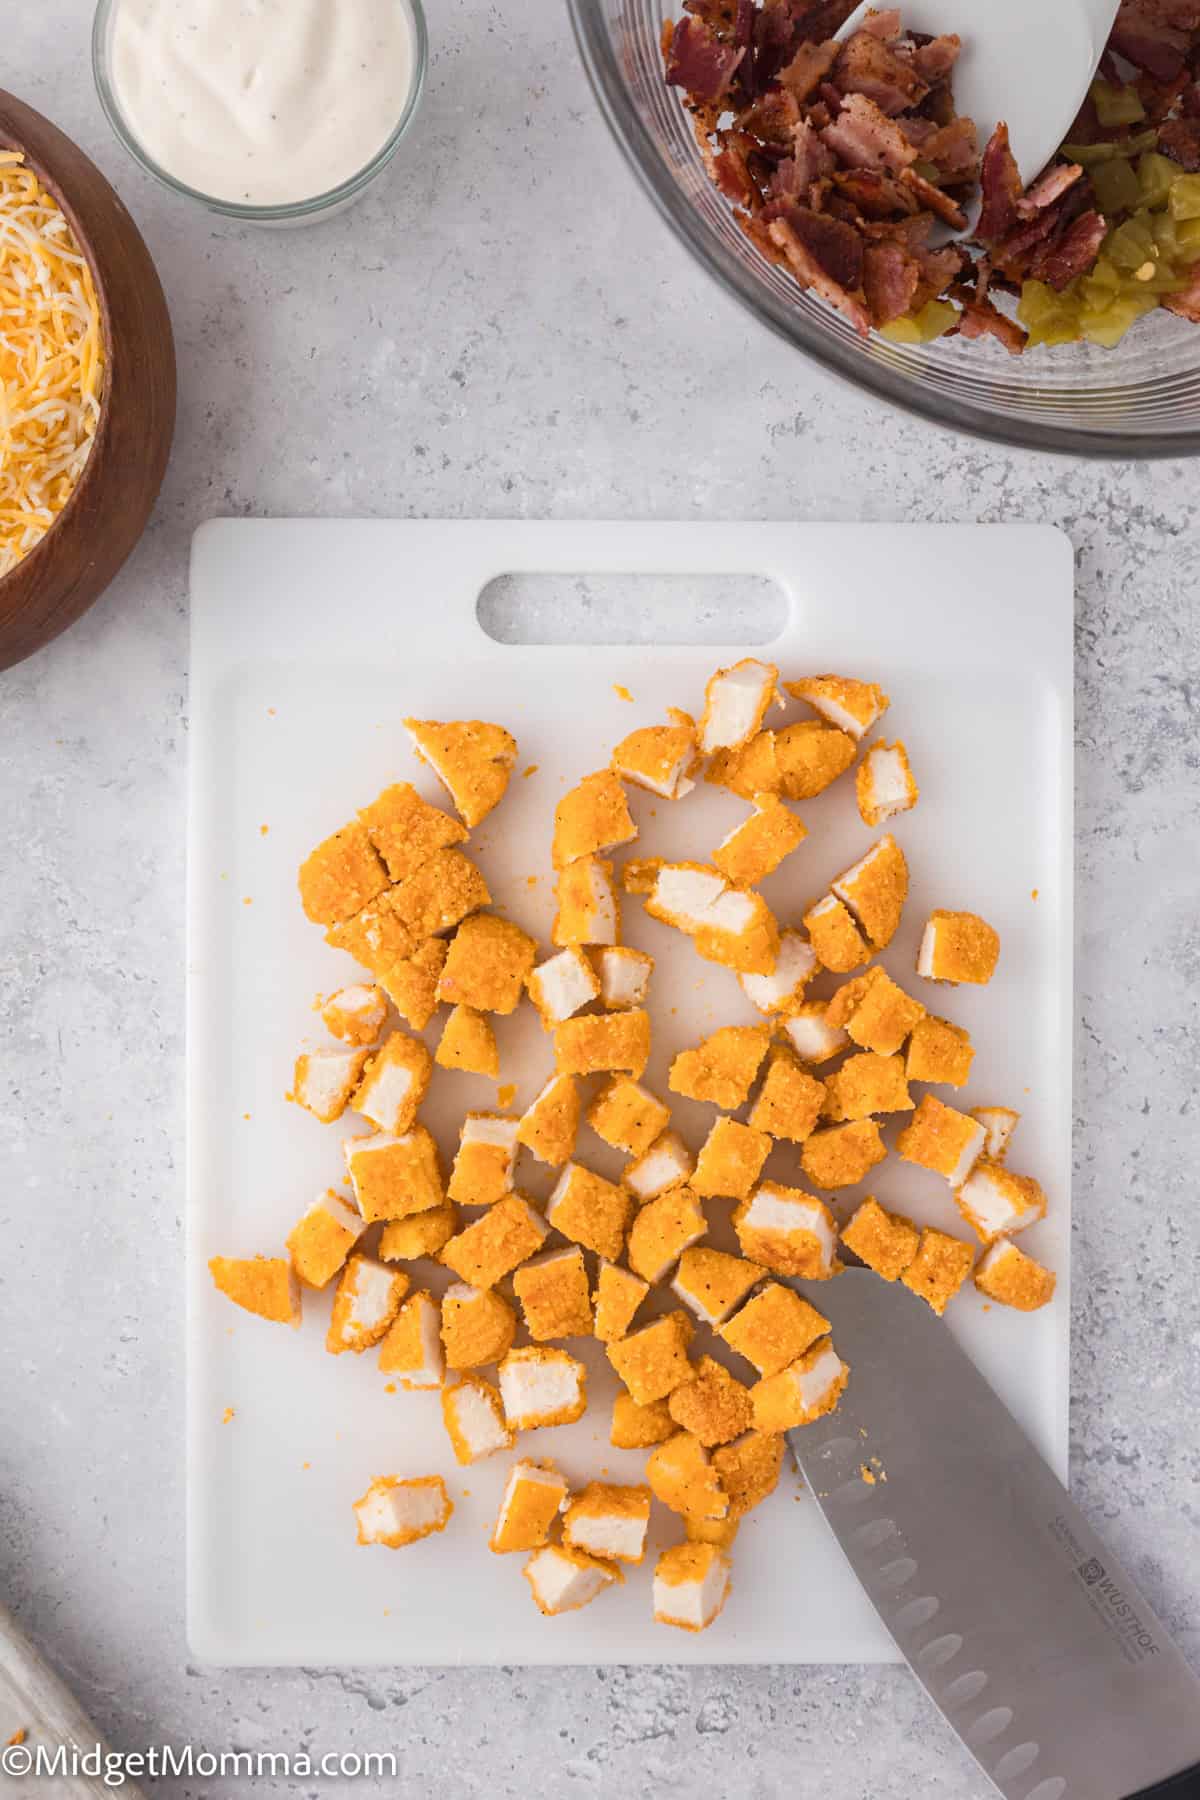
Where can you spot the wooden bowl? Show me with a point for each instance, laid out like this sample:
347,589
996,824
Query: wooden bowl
107,513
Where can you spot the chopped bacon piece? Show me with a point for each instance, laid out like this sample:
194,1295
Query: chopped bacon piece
869,66
836,246
865,138
717,15
810,274
874,195
953,149
772,119
981,319
890,280
810,161
1187,302
942,204
1150,40
1000,180
1057,263
1048,187
700,62
1180,140
935,59
885,25
730,169
808,68
759,234
918,129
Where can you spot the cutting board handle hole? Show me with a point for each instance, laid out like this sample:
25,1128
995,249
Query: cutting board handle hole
529,608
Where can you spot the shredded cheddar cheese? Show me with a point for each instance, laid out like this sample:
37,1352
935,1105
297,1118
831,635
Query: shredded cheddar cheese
51,360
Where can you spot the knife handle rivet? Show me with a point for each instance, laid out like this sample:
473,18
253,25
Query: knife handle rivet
965,1688
1053,1789
988,1725
939,1651
1014,1762
915,1613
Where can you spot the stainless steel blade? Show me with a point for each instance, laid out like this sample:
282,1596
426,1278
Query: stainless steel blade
1019,1622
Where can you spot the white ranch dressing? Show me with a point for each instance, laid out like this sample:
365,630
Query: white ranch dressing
261,102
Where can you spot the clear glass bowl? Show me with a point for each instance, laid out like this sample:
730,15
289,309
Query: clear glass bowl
294,212
1141,399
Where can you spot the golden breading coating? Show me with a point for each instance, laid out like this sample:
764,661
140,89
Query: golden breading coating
877,1013
806,1390
608,1520
714,1405
474,1419
590,1211
660,758
441,894
749,771
782,991
617,1298
756,847
265,1285
603,1043
939,1268
939,1051
468,1043
875,890
958,946
720,1532
741,933
478,1326
411,982
489,962
1006,1274
712,1283
995,1202
730,1160
341,876
654,1360
406,830
624,975
424,1234
627,1115
365,1302
393,1512
666,1164
884,784
842,1154
735,702
810,1034
939,1138
691,1585
412,1349
848,997
541,1388
394,1176
637,1427
810,757
789,1101
592,817
394,1083
749,1469
885,1241
562,1580
999,1122
722,1068
774,1328
507,1235
681,1476
323,1238
472,760
589,911
788,1231
355,1014
868,1083
639,874
533,1495
852,706
323,1081
375,936
550,1124
662,1231
484,1162
554,1295
838,943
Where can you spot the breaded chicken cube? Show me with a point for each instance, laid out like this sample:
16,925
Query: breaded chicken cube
722,1068
393,1177
588,909
875,889
411,982
550,1124
806,1390
876,1012
618,1295
323,1081
727,925
485,1160
562,1580
474,1419
323,1238
730,1160
665,1164
443,892
782,991
478,1326
508,1234
995,1202
810,757
659,758
749,1469
412,1349
355,1014
679,894
376,936
532,1498
789,1101
654,1360
999,1122
939,1051
640,873
395,1512
681,1476
711,1283
958,946
265,1285
563,985
607,1520
755,848
939,1138
394,1083
885,1241
404,1240
542,1387
884,785
406,830
627,1115
691,1585
837,942
662,1231
468,1043
1006,1274
773,1328
750,770
852,706
841,1155
603,1043
488,964
341,876
471,759
867,1083
788,1231
590,1211
939,1268
810,1034
735,703
624,976
366,1300
593,816
637,1427
714,1405
554,1295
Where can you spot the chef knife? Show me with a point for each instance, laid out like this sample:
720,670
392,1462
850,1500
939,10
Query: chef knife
1015,1617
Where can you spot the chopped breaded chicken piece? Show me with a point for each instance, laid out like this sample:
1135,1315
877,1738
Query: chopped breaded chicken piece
393,1512
412,1349
877,1014
810,1034
468,1043
852,706
487,1154
603,1043
606,1520
406,830
749,1469
404,1240
939,1268
755,848
665,1164
554,1295
627,1115
713,1405
563,1580
659,758
691,1585
735,703
875,889
474,1419
788,1231
637,1427
810,757
591,817
730,1160
341,876
789,1101
542,1387
394,1083
782,991
727,925
654,1360
996,1202
842,1154
662,1231
443,892
488,964
394,1176
507,1235
588,909
478,1326
773,1328
590,1211
884,785
533,1495
354,1014
806,1390
721,1068
868,1083
939,1138
958,946
323,1238
837,942
939,1051
681,1476
999,1122
617,1298
712,1283
1006,1274
624,976
375,936
750,770
550,1124
265,1285
472,760
639,874
323,1081
365,1301
885,1241
680,894
411,983
562,985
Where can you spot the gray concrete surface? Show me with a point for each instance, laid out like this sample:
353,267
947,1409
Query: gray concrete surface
503,328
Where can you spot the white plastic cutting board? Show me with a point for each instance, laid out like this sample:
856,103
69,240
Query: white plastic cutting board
310,642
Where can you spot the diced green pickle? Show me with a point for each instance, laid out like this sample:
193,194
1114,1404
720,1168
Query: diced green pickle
935,319
1117,105
901,331
1187,234
1131,244
1156,174
1185,197
1116,186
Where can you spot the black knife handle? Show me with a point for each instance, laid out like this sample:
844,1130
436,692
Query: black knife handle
1184,1786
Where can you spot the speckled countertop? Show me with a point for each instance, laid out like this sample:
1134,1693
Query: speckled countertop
504,328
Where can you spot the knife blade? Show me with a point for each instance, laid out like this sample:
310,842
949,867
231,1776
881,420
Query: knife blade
1020,1623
